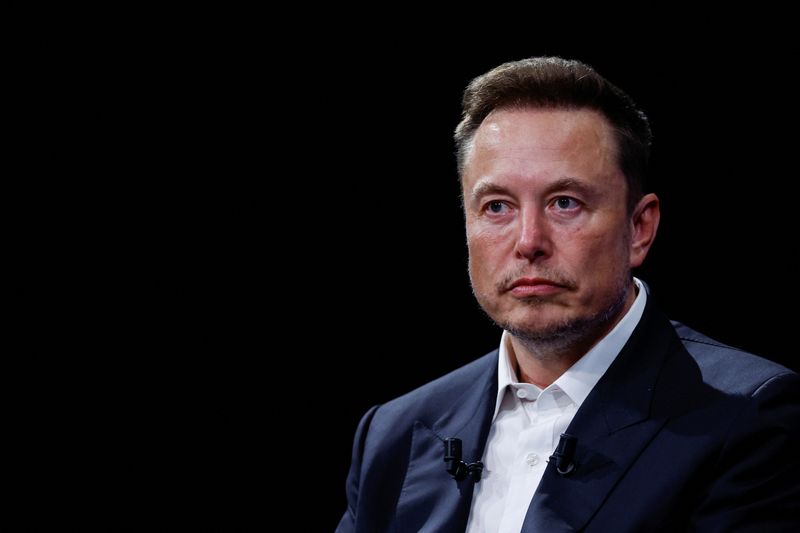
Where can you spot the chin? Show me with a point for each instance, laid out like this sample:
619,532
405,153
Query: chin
539,314
535,320
539,328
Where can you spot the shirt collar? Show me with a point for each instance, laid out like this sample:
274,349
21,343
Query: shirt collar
579,380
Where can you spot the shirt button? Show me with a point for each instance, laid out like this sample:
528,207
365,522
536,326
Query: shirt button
521,393
532,459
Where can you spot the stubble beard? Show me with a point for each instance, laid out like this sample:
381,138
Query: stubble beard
576,334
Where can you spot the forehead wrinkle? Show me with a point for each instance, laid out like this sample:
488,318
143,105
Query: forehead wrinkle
510,143
500,130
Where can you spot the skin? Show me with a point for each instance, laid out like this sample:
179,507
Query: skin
545,200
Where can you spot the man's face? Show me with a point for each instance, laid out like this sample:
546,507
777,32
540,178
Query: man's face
548,232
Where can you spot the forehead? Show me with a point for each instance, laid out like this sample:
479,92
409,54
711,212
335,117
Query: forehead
530,147
544,133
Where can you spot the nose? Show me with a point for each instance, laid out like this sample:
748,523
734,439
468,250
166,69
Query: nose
533,240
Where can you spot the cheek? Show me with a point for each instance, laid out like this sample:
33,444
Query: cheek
589,255
485,249
602,254
484,259
487,238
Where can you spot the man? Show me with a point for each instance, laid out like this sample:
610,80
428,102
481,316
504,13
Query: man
665,429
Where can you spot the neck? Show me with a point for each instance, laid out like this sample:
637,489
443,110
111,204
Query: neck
533,366
541,362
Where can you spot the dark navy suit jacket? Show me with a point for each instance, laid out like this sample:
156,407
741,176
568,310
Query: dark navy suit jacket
680,434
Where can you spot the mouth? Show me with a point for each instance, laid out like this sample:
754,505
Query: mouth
527,287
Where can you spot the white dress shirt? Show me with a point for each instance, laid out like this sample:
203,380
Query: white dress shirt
528,422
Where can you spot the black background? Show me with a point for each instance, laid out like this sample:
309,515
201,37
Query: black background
275,244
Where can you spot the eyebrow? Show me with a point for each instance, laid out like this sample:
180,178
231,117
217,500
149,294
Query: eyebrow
486,188
562,184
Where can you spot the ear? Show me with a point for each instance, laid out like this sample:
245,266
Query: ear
644,225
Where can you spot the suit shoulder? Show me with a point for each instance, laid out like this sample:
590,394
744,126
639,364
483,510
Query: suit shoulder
427,401
727,368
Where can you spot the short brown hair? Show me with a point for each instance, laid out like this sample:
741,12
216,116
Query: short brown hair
552,82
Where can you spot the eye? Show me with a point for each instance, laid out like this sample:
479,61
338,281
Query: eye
496,207
566,203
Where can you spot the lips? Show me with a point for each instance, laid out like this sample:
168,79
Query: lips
523,287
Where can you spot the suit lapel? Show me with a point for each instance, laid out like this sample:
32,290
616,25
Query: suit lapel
613,426
431,500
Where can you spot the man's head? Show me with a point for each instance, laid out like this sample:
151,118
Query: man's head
555,83
552,159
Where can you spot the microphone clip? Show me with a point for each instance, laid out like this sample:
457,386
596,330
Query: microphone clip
564,455
455,466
